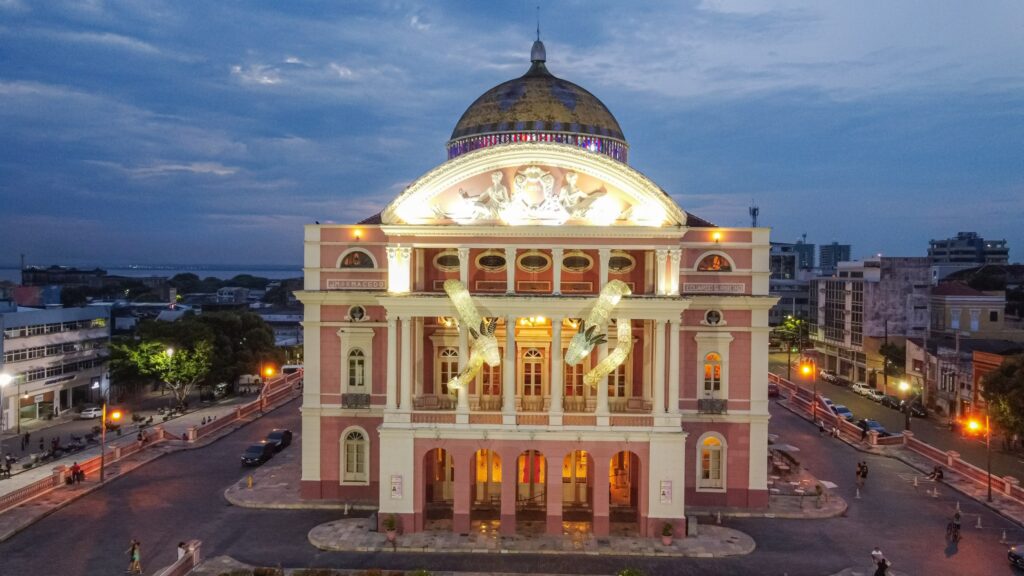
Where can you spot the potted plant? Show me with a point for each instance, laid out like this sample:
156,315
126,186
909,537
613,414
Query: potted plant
391,527
666,534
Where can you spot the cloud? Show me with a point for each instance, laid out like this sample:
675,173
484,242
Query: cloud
262,74
211,168
416,22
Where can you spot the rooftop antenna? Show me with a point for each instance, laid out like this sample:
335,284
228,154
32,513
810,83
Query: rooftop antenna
538,23
754,213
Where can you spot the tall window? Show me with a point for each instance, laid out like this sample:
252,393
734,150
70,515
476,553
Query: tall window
448,366
356,369
573,378
490,378
355,457
712,372
617,382
711,463
533,367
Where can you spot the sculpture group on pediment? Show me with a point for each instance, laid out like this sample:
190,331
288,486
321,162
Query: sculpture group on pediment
533,200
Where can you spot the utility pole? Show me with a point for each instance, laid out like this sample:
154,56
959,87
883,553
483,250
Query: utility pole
956,376
885,360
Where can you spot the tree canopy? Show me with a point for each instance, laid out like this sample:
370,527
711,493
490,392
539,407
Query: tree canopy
1003,389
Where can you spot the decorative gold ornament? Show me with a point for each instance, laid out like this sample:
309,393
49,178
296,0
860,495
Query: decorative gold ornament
485,344
588,334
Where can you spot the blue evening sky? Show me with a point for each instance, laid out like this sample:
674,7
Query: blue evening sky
211,131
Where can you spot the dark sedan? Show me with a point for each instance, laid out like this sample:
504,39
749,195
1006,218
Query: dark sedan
890,401
916,410
279,438
868,424
257,454
1016,556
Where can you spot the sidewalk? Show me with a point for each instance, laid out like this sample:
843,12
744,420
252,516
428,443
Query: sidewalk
353,535
21,477
20,517
1007,507
221,565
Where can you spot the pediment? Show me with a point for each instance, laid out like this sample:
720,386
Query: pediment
534,184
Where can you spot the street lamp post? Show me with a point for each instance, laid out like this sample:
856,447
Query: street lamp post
115,415
807,369
904,388
5,379
974,426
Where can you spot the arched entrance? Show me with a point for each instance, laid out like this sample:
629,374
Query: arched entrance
578,488
624,494
439,480
531,489
486,488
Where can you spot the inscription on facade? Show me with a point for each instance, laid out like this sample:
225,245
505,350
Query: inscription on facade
712,288
357,284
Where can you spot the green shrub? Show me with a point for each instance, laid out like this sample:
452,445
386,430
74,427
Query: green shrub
666,529
421,572
630,572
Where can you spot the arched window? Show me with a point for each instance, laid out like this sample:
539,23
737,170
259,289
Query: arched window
533,368
448,367
714,263
711,468
356,369
356,259
356,454
712,372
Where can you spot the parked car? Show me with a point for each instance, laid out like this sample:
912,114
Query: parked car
257,454
916,409
827,402
773,390
860,388
869,424
843,412
279,438
828,375
1016,556
890,401
875,395
90,413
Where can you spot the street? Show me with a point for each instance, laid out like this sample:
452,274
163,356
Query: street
930,430
180,496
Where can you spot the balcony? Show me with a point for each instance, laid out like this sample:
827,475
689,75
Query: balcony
354,400
712,406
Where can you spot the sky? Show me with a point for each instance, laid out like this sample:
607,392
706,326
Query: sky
211,132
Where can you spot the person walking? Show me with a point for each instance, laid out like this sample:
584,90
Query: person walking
135,557
860,469
881,564
863,473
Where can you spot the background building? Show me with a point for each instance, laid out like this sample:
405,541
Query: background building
57,358
830,257
863,306
789,281
966,250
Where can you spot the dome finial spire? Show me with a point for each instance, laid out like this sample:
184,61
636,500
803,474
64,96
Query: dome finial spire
538,53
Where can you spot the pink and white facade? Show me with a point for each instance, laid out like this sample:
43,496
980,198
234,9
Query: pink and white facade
534,227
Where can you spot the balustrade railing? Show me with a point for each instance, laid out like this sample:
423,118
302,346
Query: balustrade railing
355,400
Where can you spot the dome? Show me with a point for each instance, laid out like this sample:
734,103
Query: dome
538,107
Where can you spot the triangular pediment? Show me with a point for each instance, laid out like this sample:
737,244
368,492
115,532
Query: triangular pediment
534,184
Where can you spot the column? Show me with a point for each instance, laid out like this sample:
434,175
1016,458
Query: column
510,270
399,273
673,366
464,267
660,258
463,393
406,401
557,388
553,494
508,375
599,464
509,470
556,275
392,391
674,257
461,492
659,367
604,255
602,386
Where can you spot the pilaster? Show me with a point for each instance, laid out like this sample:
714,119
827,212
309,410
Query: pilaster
392,380
673,367
556,274
510,270
557,388
508,376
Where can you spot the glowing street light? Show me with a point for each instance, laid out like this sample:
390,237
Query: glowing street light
115,415
975,426
169,352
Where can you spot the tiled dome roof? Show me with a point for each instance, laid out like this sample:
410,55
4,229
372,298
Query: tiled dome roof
538,106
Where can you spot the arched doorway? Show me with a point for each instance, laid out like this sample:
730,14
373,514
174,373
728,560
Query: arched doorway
531,489
624,494
439,480
486,488
578,488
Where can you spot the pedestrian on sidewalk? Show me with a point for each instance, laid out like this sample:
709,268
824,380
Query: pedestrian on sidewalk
134,557
182,550
863,473
860,478
7,467
25,441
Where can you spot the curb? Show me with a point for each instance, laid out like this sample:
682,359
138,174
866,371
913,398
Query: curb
982,501
748,547
778,515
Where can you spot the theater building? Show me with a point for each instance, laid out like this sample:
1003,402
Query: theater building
446,403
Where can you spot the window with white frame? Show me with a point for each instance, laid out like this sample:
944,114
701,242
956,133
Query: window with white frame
356,458
954,318
533,370
356,370
711,468
572,376
617,382
975,319
712,373
447,367
490,380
